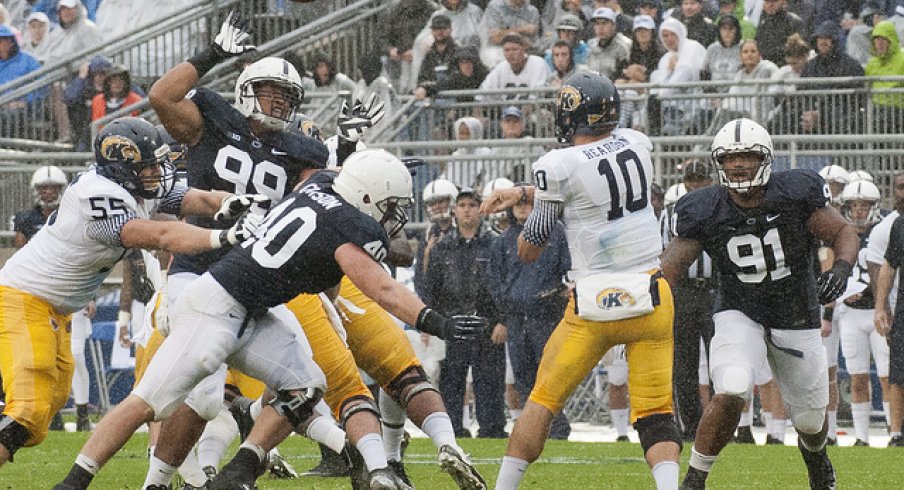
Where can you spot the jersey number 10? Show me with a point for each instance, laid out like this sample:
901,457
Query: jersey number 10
633,182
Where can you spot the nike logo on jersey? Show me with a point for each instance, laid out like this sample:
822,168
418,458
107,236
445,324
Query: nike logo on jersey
772,217
277,153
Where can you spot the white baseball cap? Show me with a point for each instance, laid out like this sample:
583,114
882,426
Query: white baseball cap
604,13
644,22
68,3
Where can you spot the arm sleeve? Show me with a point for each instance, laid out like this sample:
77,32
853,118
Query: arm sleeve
541,222
172,202
108,231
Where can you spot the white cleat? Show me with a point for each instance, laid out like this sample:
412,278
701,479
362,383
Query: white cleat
459,467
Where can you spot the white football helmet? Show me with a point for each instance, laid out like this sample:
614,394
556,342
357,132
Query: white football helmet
274,70
835,173
856,175
378,184
673,194
497,219
439,190
743,136
861,191
48,175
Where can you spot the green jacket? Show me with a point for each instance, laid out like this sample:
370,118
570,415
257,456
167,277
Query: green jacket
891,63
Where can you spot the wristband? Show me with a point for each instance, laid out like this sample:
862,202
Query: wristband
431,322
827,313
123,318
206,60
218,239
843,268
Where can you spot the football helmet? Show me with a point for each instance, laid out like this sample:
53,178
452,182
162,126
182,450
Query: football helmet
273,70
496,219
587,103
856,175
673,194
861,190
126,148
835,173
438,191
378,184
307,126
178,155
48,175
743,136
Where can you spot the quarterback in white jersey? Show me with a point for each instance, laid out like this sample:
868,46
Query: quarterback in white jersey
102,214
600,187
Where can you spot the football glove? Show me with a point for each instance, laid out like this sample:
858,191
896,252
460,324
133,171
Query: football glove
242,230
233,206
461,328
233,33
833,282
353,122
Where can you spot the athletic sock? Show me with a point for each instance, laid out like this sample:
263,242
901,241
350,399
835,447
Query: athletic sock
511,473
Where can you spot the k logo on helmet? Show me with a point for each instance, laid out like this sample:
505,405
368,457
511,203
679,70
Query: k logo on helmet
569,98
120,149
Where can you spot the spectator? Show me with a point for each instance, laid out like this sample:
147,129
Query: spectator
519,69
6,20
609,48
723,57
567,30
645,52
563,65
505,17
699,27
746,99
516,167
731,7
573,7
457,281
825,115
531,299
898,18
471,170
775,25
117,93
467,72
438,59
327,79
14,64
806,10
78,96
887,60
785,116
682,62
624,22
36,36
75,34
859,38
653,8
466,17
406,20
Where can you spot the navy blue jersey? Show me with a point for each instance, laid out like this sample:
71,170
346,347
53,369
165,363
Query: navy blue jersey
29,221
763,255
293,250
229,158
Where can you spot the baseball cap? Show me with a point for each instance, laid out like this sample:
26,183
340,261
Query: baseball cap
644,22
512,111
68,3
38,16
569,22
604,13
697,169
440,21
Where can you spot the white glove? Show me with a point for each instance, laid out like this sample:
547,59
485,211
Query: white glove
353,122
242,230
233,206
123,320
232,34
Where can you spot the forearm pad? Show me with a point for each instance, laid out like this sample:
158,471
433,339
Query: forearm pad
206,60
431,322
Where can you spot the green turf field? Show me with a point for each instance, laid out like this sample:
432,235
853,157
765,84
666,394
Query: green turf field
564,465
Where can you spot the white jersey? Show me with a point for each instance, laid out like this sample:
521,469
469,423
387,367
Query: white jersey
605,189
62,263
875,250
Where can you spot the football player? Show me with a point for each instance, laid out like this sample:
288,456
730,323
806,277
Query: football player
330,226
600,187
101,215
759,228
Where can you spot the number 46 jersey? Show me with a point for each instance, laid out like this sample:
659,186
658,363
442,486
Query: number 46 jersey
605,189
763,254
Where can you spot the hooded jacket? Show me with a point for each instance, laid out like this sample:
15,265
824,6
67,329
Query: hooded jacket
772,32
73,38
106,101
18,64
468,172
465,22
690,55
834,64
724,60
457,80
891,63
834,117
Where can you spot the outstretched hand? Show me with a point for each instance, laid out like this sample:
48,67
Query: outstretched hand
233,33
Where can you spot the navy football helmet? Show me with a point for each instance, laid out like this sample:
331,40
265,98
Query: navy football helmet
587,103
125,148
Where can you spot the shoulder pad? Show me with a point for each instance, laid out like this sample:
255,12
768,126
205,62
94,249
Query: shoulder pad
694,211
799,185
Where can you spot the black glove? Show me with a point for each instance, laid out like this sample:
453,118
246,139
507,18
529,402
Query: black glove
833,282
458,328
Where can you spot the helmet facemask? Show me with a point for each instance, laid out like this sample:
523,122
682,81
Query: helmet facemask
872,216
435,216
280,93
762,173
394,214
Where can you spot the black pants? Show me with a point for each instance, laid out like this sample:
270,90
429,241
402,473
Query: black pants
693,321
527,337
487,361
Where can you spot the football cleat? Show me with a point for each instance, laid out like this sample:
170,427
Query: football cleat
819,468
896,441
456,463
386,479
399,468
280,468
622,439
331,465
770,441
694,479
357,470
241,412
860,443
744,436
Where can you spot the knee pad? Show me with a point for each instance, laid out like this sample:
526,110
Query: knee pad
364,404
207,403
732,380
13,435
296,405
808,421
409,384
656,428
